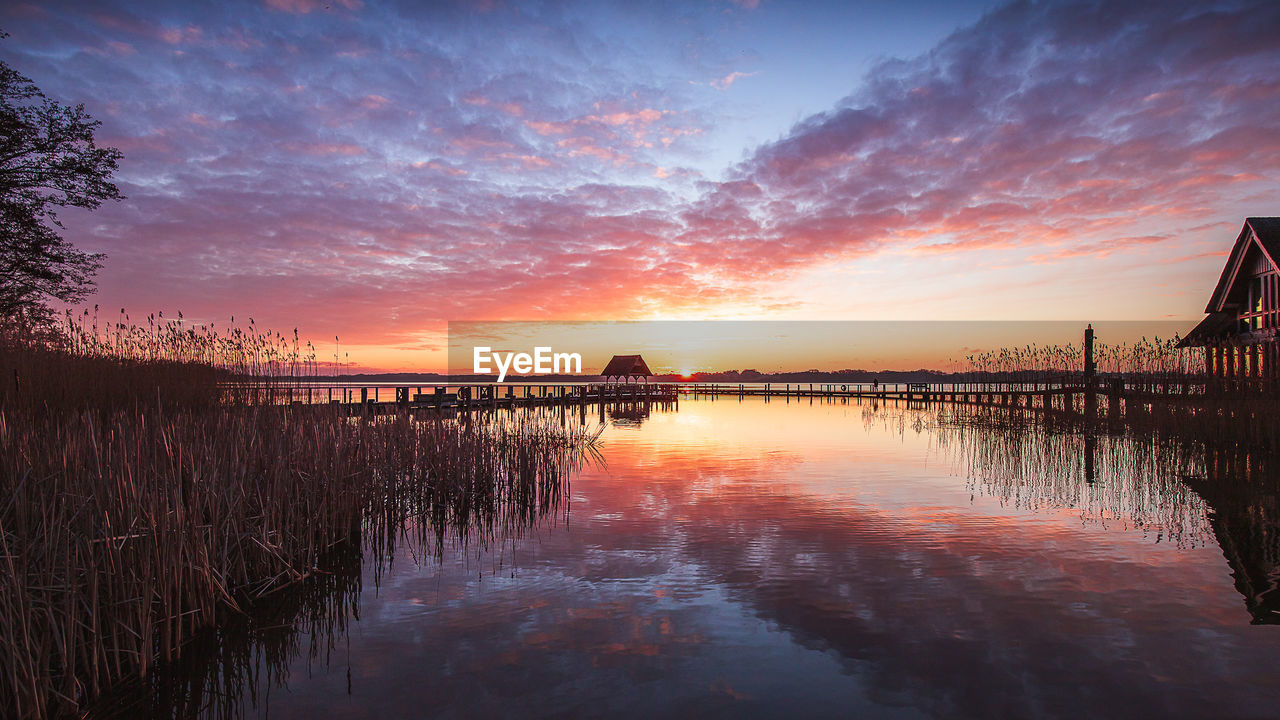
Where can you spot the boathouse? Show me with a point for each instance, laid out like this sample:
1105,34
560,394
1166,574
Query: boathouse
1239,334
622,368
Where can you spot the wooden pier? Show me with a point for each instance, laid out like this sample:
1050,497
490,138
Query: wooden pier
1112,395
1100,396
381,399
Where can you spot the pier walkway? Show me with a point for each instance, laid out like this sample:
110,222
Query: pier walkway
1060,396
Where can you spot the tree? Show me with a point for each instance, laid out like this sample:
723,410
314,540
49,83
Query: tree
48,160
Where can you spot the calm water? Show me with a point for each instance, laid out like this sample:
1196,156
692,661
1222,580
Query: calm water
738,559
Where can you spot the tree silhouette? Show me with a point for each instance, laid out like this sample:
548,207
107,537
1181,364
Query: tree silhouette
48,160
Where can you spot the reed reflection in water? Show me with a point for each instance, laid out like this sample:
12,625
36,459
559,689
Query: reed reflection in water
753,558
1188,495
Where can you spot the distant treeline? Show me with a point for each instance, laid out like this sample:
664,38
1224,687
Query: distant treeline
819,376
727,376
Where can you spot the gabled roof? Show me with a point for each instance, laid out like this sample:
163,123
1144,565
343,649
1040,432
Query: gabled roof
624,365
1215,326
1265,231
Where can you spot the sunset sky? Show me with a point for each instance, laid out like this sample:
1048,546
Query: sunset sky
373,170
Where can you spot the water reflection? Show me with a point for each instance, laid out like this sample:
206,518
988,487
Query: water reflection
740,558
631,414
1188,496
223,673
1241,493
1129,483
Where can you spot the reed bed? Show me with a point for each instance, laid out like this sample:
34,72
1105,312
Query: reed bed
1191,494
1150,363
1150,386
1133,480
123,534
237,663
152,486
240,660
86,363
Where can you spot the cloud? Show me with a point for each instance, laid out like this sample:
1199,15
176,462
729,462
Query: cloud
379,173
1058,123
724,82
347,149
303,7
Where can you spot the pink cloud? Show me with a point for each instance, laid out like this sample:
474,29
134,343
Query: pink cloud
549,128
436,165
580,146
344,149
527,162
303,7
185,34
725,82
644,116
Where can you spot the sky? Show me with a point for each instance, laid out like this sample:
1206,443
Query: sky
374,170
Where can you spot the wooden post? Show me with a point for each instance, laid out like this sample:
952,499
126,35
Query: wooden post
1090,447
1114,399
1090,369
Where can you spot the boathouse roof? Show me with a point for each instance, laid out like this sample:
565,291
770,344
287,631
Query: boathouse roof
626,366
1258,242
1262,233
1215,326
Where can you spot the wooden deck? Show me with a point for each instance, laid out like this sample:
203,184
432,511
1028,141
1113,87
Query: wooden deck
390,398
1077,398
1054,397
1061,397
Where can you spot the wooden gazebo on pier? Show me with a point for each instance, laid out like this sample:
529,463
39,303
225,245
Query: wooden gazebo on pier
621,368
1239,334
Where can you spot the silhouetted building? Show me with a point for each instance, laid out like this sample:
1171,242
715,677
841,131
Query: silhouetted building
1240,333
624,367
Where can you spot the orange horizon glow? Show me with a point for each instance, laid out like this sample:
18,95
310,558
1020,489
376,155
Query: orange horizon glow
374,172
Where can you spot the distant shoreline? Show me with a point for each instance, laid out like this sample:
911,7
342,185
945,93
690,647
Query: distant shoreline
731,376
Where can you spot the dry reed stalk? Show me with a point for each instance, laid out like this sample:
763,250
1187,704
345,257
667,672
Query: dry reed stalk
125,533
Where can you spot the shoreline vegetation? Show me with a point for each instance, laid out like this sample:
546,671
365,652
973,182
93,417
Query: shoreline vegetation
154,484
1164,491
1151,388
140,504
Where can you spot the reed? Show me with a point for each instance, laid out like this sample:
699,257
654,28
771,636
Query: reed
238,662
1133,479
245,656
1145,479
1150,386
1151,363
83,362
122,534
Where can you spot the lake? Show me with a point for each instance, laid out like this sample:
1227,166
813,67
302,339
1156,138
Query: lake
765,558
